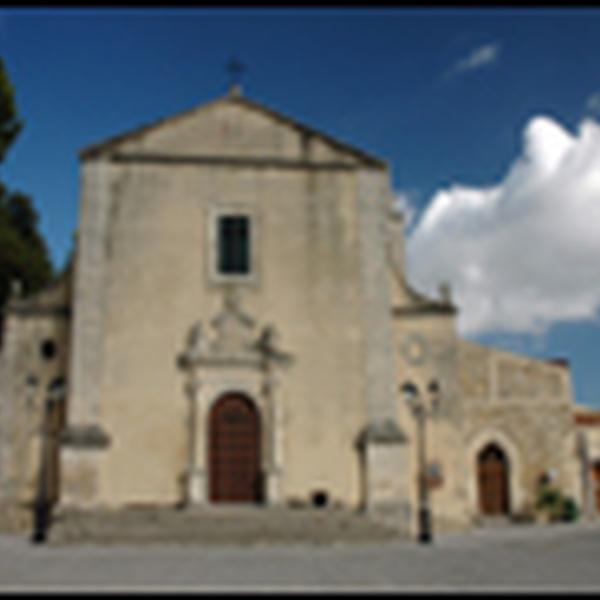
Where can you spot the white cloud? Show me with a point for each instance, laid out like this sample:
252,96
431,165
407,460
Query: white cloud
525,253
479,57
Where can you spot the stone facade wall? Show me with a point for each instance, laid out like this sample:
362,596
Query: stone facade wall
486,395
526,406
22,404
149,256
426,347
328,273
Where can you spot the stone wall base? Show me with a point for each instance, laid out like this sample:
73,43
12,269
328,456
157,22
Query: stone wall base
395,515
79,485
15,518
386,469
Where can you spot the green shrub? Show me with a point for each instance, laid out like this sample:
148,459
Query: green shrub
570,510
556,504
548,498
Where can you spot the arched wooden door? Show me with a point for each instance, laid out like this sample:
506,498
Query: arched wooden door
234,450
492,474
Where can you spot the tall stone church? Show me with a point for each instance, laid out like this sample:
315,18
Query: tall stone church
236,327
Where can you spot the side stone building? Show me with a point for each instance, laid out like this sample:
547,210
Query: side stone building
236,327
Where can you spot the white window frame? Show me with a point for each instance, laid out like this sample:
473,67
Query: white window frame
230,210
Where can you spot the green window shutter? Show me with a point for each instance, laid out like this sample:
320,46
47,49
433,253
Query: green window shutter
234,245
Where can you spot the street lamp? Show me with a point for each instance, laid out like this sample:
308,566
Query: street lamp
43,501
421,411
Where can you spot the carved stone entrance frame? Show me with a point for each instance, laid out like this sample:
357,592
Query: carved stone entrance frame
235,359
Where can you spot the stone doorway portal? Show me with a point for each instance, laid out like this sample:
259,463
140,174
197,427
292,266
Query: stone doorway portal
235,450
492,475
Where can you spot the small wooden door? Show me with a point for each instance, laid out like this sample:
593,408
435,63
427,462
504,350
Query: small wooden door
492,471
234,450
596,483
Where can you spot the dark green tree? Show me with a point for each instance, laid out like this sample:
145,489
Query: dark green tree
23,251
10,123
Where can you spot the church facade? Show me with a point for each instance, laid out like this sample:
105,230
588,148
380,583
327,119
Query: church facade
236,327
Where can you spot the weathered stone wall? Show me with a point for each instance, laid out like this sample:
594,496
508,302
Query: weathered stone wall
21,405
426,347
328,273
486,395
148,277
526,406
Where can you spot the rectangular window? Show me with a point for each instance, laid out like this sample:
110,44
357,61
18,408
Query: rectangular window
234,245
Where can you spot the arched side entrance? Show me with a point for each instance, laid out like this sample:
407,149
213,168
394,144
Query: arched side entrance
493,481
234,457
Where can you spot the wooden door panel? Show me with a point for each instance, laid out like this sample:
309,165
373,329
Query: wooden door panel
234,450
492,478
596,480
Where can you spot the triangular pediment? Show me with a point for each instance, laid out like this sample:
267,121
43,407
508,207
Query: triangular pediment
232,127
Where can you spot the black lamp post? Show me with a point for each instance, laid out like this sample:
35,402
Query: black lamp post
41,508
421,411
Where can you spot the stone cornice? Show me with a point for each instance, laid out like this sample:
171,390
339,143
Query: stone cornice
40,311
250,162
85,437
381,432
424,309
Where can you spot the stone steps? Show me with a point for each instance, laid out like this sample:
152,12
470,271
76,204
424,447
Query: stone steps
229,525
491,522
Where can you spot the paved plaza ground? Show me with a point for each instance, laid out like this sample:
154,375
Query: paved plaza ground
526,558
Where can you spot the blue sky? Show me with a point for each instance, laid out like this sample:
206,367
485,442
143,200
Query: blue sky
448,97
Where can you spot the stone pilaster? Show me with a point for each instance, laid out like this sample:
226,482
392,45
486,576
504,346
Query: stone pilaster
379,358
386,468
89,294
383,446
84,435
8,396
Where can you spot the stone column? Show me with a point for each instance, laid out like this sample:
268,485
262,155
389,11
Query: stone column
271,357
273,440
195,472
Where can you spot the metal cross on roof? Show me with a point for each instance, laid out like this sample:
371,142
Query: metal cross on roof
235,68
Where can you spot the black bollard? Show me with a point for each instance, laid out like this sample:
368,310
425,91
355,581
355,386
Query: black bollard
425,533
40,522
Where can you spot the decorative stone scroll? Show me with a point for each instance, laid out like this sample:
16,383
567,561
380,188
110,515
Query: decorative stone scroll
235,340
